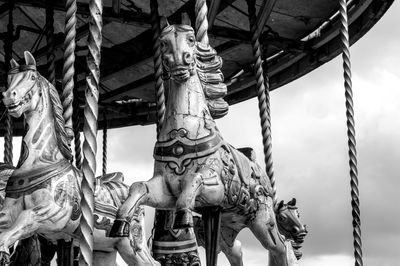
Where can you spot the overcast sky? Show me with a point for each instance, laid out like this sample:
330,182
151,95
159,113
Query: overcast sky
310,152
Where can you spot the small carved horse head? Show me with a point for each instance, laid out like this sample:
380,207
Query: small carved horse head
289,224
23,94
178,45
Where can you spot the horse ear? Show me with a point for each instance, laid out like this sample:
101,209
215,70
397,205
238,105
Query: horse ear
292,202
13,63
29,59
280,205
163,22
186,19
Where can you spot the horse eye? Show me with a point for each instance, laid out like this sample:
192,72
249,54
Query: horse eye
33,77
191,39
163,44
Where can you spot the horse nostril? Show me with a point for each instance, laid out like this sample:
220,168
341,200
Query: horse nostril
13,93
187,58
295,230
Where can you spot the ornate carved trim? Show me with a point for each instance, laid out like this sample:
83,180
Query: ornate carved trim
180,150
18,184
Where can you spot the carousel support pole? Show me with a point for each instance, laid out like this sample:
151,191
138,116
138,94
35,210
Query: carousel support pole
256,26
51,76
8,49
65,249
68,67
355,202
212,222
116,6
51,73
90,129
211,217
104,143
159,86
77,133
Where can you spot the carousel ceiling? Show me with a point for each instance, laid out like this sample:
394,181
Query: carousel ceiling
299,36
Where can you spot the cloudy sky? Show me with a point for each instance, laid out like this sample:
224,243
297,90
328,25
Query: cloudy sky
310,152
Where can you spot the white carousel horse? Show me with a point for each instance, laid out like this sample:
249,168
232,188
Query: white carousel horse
289,224
42,195
194,166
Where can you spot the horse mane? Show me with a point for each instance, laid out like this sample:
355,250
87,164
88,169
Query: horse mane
59,122
209,65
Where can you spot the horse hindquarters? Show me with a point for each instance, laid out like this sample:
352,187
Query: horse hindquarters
265,229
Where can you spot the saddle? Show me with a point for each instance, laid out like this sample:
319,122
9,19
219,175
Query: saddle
112,183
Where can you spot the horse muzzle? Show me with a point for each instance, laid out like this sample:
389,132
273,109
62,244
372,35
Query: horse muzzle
181,73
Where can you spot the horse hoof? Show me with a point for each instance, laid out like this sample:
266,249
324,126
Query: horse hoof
183,219
119,229
4,258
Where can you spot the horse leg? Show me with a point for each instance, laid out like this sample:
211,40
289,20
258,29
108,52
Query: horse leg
30,220
141,194
232,252
9,212
228,244
205,186
265,229
191,186
133,256
102,258
134,250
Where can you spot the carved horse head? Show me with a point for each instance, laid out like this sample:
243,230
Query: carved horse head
183,57
30,93
289,224
178,45
23,94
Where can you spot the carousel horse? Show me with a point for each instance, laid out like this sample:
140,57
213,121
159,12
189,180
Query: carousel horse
289,225
43,193
194,166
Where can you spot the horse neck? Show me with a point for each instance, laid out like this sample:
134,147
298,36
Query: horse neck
187,108
39,143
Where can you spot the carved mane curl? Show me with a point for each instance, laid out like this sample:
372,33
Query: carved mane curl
209,65
59,122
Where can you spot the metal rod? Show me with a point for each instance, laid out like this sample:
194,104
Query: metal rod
68,67
263,98
158,70
90,129
8,50
351,132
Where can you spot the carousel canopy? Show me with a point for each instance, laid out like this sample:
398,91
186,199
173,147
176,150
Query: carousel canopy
298,37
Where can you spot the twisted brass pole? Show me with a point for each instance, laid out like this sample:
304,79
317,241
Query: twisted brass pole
77,133
68,67
201,21
51,73
8,43
159,85
262,87
90,129
351,132
105,143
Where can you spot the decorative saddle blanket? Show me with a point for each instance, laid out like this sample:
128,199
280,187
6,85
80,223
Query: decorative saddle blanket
180,150
18,185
